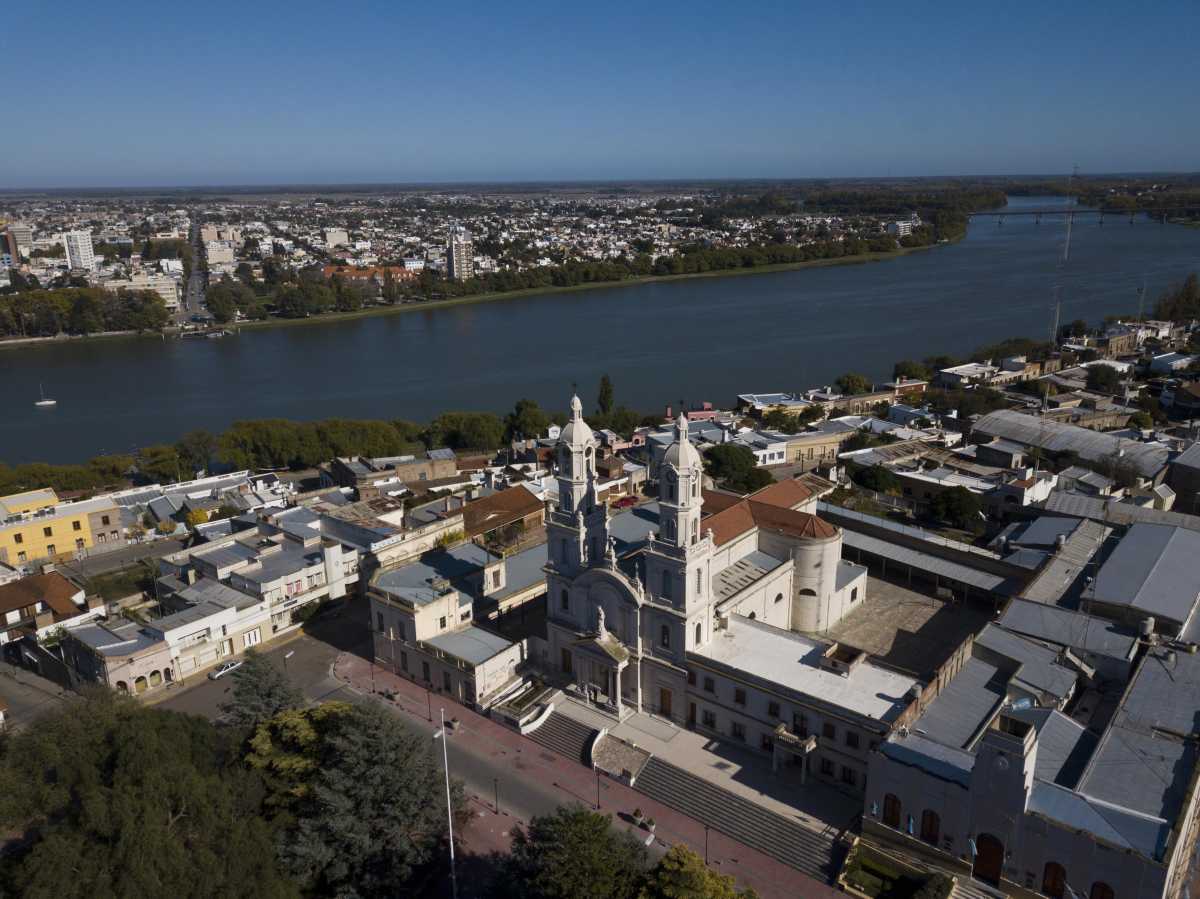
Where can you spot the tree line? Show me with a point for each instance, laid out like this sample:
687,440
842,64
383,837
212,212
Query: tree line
105,796
80,310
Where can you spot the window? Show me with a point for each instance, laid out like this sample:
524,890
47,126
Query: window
691,678
699,581
1101,890
251,638
800,725
891,810
104,520
931,826
566,661
442,623
699,633
778,597
400,630
564,601
496,578
404,662
77,525
709,720
854,595
379,622
21,557
664,637
849,776
79,543
708,685
446,683
828,731
738,731
102,537
767,743
739,696
827,767
47,532
425,671
851,739
666,585
18,538
50,549
772,710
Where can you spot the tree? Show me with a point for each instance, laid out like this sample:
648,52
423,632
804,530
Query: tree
958,506
159,463
573,854
1103,378
853,384
371,810
195,450
604,402
117,799
195,517
1141,420
527,420
907,368
877,478
736,468
260,691
682,874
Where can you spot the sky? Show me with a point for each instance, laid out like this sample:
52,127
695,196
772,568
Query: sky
140,94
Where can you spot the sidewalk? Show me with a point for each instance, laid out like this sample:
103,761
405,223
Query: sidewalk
533,764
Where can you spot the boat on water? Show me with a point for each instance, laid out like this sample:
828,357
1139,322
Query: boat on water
45,401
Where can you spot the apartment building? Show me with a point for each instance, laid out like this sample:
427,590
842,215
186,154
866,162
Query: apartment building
35,525
40,604
166,287
80,254
460,257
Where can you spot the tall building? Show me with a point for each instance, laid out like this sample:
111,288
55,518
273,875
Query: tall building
79,250
460,257
19,238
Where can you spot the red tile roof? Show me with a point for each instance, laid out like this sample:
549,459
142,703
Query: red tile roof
735,520
787,494
53,589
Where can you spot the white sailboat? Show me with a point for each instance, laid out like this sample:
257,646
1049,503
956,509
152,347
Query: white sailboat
45,401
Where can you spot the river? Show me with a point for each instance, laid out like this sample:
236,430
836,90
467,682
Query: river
699,339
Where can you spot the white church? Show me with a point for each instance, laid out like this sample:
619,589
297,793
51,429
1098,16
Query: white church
711,615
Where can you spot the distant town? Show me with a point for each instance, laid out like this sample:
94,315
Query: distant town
941,630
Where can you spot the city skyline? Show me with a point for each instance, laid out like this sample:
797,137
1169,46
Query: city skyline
542,94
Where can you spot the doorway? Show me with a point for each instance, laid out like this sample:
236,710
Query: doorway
989,859
664,702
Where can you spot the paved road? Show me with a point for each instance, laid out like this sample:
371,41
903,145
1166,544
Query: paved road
310,667
26,694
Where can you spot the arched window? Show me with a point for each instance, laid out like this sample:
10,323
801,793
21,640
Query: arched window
155,678
891,810
664,636
853,594
699,582
564,601
1054,880
931,826
666,585
778,597
122,686
695,488
1101,890
807,592
752,616
699,633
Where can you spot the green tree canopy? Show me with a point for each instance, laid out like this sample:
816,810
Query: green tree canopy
573,854
195,450
527,420
853,383
736,468
260,691
908,368
117,799
371,810
1103,378
958,506
682,874
159,463
604,402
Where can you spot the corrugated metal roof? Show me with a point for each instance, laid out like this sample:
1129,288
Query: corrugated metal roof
743,573
1153,569
1038,670
1114,512
472,644
963,706
1066,628
953,571
1115,826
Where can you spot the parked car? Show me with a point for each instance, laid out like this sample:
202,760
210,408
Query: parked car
224,668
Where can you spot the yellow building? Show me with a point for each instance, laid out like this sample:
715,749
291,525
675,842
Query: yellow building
34,525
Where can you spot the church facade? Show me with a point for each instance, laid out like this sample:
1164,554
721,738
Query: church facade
713,619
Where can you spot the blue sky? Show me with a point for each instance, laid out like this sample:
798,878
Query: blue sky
270,92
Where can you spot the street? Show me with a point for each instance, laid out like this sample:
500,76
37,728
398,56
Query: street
104,562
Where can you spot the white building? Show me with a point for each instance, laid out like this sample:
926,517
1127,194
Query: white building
336,237
80,255
219,252
166,287
460,254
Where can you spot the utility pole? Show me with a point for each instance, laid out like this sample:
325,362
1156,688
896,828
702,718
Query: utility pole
449,808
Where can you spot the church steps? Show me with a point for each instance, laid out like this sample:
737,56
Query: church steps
566,736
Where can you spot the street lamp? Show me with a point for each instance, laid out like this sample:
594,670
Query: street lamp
441,733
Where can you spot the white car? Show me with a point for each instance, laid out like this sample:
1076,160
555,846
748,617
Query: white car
223,669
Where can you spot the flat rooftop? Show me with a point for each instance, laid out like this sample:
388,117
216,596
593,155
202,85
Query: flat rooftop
472,644
1154,570
907,629
794,662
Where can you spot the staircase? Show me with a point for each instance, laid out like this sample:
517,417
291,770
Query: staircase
772,834
566,736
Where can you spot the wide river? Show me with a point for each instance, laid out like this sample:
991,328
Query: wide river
700,339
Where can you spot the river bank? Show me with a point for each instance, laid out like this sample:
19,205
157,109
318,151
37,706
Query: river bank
430,305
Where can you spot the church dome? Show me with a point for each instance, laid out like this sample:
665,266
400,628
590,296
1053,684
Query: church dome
681,454
577,434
